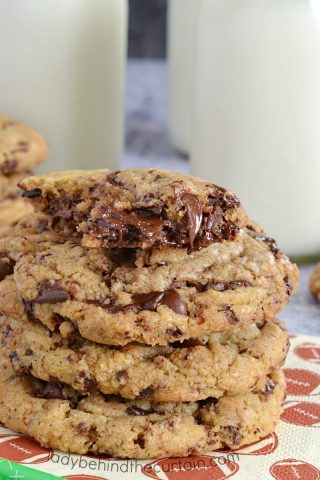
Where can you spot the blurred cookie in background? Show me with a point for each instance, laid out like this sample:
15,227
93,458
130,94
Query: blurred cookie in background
21,150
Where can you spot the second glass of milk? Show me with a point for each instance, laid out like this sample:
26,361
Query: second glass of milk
62,72
257,112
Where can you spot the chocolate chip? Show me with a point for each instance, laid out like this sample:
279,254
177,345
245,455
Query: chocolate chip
7,333
269,387
28,352
122,375
231,316
88,383
191,342
148,301
146,393
36,192
235,433
174,332
140,440
51,391
137,411
210,401
223,286
28,307
288,284
194,215
6,266
172,299
51,292
151,301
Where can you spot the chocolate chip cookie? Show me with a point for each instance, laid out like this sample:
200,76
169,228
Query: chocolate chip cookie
213,366
21,147
137,208
314,282
12,210
57,417
151,296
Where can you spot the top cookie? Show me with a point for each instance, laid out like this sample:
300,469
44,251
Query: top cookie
137,208
21,147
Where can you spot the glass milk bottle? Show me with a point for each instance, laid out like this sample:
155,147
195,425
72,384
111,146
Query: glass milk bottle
62,71
181,36
257,112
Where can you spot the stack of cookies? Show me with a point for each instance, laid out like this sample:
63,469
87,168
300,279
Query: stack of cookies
21,149
139,316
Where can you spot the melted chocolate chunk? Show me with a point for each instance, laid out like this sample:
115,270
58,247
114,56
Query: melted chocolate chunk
6,266
194,215
51,293
223,286
138,412
125,228
36,192
173,300
148,301
146,393
151,301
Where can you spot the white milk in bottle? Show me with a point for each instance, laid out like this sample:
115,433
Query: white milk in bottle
181,42
257,112
62,71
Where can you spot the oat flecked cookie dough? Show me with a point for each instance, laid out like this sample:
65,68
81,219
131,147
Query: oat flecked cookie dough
57,417
137,208
213,366
154,297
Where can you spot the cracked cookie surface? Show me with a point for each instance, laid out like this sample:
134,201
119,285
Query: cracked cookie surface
136,207
213,366
150,296
56,417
